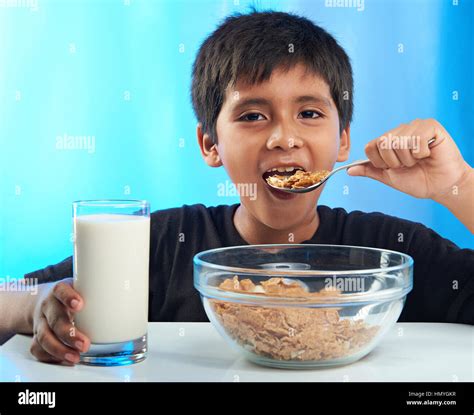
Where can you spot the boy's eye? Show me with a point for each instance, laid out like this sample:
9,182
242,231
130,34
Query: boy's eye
253,116
310,114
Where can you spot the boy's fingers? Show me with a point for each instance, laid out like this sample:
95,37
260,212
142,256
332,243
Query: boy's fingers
67,295
388,155
368,170
423,149
42,355
356,171
373,155
405,157
48,341
427,130
60,323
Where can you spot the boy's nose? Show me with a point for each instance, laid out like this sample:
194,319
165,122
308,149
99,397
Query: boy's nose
284,141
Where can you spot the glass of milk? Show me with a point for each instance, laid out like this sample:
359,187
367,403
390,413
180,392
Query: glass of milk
110,269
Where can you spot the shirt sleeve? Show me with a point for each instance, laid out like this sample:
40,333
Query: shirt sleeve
443,280
53,272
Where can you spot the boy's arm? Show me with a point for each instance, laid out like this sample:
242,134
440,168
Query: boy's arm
52,272
460,200
17,308
443,280
402,159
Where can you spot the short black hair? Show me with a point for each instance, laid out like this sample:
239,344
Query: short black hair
249,47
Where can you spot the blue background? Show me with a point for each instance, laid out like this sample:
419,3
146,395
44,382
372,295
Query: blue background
120,71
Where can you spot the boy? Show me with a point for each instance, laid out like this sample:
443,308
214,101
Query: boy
272,90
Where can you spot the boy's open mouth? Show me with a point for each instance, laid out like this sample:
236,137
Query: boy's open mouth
281,171
284,171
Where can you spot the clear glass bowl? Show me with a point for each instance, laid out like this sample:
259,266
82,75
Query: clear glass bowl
303,306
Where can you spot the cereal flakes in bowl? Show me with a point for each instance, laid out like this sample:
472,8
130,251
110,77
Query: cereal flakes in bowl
302,306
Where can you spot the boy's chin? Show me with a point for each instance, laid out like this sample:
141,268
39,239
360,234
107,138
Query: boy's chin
284,217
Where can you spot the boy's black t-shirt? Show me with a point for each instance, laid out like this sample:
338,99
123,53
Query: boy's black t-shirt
443,280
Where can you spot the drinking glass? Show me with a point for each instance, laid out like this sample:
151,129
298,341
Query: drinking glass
110,270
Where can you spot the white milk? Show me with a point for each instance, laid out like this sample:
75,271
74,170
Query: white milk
111,258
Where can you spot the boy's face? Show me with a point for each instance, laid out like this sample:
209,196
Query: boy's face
289,120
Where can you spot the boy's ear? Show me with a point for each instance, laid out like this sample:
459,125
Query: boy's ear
208,148
344,144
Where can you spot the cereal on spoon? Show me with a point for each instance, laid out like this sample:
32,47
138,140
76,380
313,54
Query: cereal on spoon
299,180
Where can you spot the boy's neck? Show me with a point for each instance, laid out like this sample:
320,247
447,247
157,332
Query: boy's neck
255,232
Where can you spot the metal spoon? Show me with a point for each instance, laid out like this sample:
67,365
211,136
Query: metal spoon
318,184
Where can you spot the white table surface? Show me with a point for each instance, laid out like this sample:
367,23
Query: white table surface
411,352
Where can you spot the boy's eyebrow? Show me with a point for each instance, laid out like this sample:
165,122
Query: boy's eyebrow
318,99
250,101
